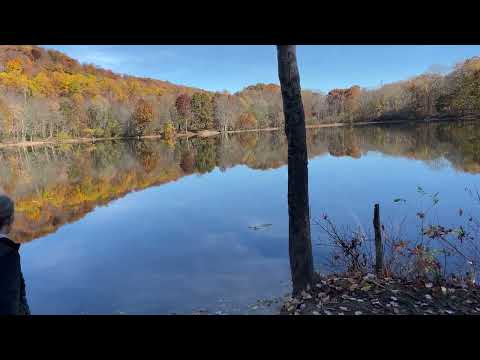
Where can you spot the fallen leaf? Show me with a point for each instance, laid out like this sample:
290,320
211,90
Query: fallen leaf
306,295
369,276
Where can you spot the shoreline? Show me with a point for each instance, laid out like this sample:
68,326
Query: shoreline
367,294
210,133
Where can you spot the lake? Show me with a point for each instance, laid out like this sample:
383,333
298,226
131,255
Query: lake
148,227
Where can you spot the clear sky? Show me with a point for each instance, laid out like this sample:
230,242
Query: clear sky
232,67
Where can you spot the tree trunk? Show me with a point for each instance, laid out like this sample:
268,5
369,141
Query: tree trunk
378,241
300,246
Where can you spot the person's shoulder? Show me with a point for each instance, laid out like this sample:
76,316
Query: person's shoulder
7,246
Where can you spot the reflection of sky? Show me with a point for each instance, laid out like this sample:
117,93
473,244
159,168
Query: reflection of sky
186,245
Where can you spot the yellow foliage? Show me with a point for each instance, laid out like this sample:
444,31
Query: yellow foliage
472,64
168,131
14,66
16,81
42,85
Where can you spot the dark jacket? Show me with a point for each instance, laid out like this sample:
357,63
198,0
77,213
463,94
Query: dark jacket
13,300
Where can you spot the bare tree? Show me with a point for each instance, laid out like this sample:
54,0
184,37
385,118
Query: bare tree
300,246
221,112
319,106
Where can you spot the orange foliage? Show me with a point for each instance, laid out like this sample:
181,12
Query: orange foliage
247,121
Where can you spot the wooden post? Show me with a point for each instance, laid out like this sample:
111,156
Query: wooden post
378,241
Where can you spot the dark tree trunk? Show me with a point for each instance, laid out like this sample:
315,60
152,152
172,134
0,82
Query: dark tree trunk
378,241
300,246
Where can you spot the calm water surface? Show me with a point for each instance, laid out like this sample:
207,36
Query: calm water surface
149,227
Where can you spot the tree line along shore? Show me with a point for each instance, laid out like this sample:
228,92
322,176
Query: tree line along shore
209,133
47,96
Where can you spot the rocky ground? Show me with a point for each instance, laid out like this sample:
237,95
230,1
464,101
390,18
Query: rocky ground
368,295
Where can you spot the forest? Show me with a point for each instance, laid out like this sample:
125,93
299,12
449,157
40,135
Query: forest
44,94
54,185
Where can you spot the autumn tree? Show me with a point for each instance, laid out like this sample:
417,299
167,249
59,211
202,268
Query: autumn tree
202,111
169,132
462,89
6,123
300,246
142,117
184,111
48,93
246,121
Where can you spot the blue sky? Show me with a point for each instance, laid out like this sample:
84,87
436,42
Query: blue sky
232,67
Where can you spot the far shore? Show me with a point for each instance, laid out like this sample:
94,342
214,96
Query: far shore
210,133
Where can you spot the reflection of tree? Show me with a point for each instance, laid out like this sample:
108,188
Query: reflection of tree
146,157
187,162
344,143
205,159
55,185
248,140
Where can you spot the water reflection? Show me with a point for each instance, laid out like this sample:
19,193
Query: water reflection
183,240
57,185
